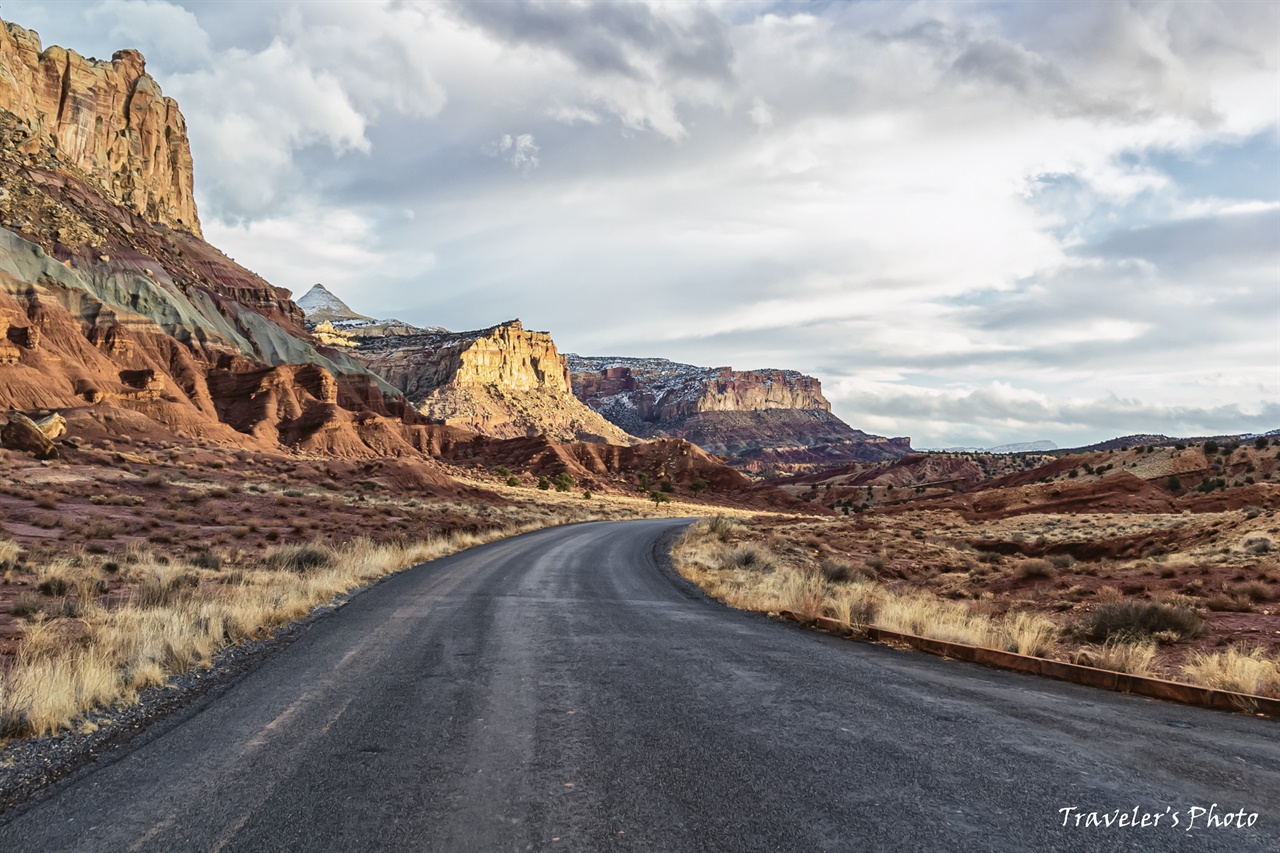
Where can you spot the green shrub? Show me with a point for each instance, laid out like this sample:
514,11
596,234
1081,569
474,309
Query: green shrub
544,483
1134,621
513,481
299,558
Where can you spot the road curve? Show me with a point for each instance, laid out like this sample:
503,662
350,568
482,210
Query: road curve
560,691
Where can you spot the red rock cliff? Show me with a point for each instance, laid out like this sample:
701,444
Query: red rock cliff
108,121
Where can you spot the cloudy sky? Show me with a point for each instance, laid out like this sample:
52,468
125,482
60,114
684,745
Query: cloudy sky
976,223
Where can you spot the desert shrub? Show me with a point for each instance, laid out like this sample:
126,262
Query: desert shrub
206,560
47,500
1260,442
876,564
299,558
836,571
1134,621
1173,484
749,555
1252,590
1211,446
513,481
1224,602
53,585
544,484
1258,545
697,485
586,494
154,480
667,487
563,482
1035,568
1062,562
503,471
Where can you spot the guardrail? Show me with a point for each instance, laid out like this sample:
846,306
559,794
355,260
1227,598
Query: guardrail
1140,685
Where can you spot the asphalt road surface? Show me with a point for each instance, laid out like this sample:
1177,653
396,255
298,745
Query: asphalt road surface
561,691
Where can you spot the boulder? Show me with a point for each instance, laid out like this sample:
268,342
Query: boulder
25,436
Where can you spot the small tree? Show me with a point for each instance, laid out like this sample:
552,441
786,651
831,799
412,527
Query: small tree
1173,483
658,497
563,481
697,485
1211,446
667,487
1260,442
544,483
645,482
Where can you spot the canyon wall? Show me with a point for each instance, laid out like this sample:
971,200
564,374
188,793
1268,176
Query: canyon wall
763,421
106,121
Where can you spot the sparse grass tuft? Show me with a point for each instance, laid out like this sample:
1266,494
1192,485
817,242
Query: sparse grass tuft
1118,656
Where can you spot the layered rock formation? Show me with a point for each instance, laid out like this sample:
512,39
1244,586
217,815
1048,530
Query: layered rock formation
503,381
764,421
107,122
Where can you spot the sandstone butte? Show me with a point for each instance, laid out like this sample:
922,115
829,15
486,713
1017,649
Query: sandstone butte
504,381
108,122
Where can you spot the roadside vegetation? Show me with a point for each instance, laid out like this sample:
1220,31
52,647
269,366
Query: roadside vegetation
749,568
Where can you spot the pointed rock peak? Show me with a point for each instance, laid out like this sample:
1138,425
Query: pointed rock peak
319,304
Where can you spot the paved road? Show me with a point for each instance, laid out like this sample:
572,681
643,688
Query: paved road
559,691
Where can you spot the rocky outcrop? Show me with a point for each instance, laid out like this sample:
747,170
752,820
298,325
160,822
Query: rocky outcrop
503,381
25,436
763,421
108,121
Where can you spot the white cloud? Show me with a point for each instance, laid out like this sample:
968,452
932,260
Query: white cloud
520,150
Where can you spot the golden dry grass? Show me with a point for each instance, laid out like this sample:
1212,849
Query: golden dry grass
747,576
179,616
1118,656
1249,671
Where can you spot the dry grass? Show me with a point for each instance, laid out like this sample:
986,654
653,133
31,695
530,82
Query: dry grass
1118,656
180,616
704,556
10,551
1237,670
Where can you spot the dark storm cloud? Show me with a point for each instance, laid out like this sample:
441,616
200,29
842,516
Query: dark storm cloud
604,38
